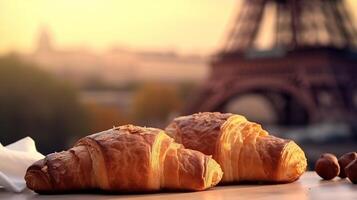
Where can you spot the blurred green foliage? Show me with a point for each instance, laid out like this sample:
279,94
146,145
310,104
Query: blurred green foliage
37,104
34,103
154,102
103,117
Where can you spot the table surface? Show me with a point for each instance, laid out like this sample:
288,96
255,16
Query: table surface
310,186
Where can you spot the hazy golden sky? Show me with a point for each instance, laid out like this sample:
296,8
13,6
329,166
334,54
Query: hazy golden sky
183,25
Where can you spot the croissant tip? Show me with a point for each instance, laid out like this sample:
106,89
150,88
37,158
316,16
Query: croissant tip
295,162
35,180
36,176
214,172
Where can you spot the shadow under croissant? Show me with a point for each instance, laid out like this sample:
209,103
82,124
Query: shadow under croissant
244,184
255,183
104,192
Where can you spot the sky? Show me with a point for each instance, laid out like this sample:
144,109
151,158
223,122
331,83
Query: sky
190,26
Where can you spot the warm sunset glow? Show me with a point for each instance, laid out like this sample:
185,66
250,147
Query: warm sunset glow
184,25
168,24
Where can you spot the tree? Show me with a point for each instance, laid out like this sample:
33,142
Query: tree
34,103
103,117
153,103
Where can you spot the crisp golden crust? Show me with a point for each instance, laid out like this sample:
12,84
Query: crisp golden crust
54,173
124,159
131,147
203,127
270,149
244,150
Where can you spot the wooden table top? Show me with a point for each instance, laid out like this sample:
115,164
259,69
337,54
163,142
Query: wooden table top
310,186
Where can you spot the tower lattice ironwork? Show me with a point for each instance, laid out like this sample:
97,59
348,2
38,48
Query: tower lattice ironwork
309,71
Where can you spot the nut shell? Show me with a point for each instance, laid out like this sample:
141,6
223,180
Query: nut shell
351,171
327,166
344,160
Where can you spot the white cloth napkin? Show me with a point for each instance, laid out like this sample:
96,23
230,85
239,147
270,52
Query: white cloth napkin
14,160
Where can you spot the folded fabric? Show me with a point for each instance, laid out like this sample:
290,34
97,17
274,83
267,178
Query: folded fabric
14,160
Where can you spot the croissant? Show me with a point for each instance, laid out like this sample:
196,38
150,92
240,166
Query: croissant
244,150
124,159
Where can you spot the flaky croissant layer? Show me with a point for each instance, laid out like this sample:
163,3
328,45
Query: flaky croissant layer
124,159
244,150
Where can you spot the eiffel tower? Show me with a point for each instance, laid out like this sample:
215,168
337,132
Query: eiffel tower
307,73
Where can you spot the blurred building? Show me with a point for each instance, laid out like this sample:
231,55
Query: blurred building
116,66
305,72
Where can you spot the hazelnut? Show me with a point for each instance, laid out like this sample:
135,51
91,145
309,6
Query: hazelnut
351,171
327,166
344,160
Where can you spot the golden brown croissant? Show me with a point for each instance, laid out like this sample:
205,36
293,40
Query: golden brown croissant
244,150
126,158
